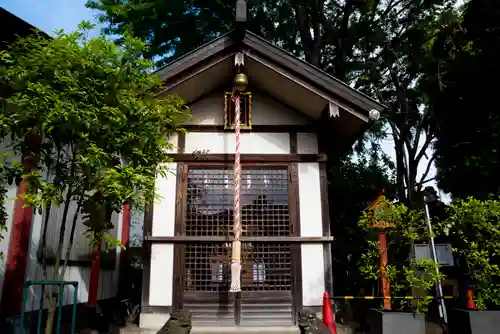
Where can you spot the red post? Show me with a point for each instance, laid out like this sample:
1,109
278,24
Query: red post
17,255
94,275
384,276
126,219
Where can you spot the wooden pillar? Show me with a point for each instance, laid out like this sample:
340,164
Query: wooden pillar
94,275
126,219
17,255
384,275
124,275
385,285
22,218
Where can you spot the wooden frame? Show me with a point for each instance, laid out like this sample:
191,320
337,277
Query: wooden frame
180,239
247,111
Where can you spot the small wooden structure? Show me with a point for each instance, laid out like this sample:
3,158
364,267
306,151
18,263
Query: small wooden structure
381,226
291,114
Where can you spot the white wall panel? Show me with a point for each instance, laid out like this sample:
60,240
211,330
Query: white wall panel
161,276
251,143
164,207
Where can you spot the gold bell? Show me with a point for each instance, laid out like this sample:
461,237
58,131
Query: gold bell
240,82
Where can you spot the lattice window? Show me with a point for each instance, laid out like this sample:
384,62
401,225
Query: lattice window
265,267
245,110
264,199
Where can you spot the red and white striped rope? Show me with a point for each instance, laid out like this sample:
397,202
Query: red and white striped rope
237,171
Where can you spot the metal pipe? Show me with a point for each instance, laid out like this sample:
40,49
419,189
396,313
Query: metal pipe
439,286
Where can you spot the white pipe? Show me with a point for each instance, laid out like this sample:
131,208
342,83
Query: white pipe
439,287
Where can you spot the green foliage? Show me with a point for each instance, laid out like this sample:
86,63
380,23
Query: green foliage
474,228
104,132
86,112
379,47
353,185
461,83
404,272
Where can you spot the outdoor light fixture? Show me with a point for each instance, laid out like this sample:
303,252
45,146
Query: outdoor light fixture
374,115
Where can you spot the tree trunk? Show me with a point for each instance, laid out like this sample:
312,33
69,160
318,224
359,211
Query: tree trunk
49,325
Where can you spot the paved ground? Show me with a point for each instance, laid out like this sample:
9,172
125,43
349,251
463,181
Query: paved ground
229,330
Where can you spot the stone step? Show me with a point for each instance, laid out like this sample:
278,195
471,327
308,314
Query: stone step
236,330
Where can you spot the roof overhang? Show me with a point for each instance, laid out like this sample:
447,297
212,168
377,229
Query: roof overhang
14,27
290,80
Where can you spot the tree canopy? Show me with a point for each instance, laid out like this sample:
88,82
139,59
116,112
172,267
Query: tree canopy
86,116
462,93
376,46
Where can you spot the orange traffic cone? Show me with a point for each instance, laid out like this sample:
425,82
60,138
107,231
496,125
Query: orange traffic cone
470,300
328,316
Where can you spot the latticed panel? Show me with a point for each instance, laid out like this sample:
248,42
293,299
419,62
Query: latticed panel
265,267
264,212
264,202
207,267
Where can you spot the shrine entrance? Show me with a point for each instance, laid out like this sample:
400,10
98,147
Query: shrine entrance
268,265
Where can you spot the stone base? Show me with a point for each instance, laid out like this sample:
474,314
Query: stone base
150,323
474,322
389,322
153,321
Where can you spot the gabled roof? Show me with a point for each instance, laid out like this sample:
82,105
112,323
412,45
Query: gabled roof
219,54
295,84
14,27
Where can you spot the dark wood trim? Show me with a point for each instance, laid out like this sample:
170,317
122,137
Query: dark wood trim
223,157
196,70
313,74
192,58
293,198
181,142
158,309
179,239
255,128
230,164
146,259
293,142
183,66
325,218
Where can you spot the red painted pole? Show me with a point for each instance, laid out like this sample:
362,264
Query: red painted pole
126,219
22,217
384,276
17,254
94,275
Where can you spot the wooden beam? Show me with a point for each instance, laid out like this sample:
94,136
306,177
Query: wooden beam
255,128
247,158
211,239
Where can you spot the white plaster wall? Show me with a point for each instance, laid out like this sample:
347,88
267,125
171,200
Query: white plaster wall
9,207
313,276
162,255
265,111
108,279
164,207
251,143
161,275
4,243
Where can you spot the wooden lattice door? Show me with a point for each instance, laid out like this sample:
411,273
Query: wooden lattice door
266,278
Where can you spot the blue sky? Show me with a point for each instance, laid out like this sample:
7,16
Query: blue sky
51,15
